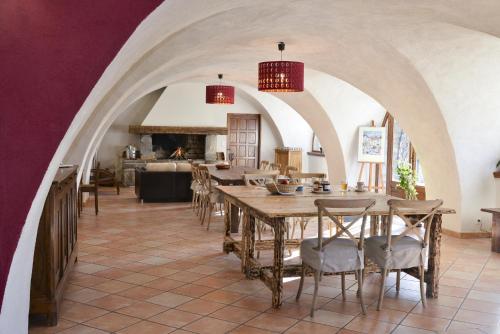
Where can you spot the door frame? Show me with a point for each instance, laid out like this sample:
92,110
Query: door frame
259,131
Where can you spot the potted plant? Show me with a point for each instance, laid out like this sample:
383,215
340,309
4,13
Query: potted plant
407,180
497,173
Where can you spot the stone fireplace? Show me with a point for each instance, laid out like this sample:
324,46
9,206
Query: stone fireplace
196,143
165,144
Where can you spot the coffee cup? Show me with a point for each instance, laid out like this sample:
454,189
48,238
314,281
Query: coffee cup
360,186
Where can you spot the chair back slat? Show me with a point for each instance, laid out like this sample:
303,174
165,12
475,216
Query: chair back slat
290,169
275,166
335,208
264,164
259,179
205,178
307,177
425,209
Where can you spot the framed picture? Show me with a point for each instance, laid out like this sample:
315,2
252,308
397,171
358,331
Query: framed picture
372,144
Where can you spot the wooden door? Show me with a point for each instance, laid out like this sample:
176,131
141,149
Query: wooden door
243,139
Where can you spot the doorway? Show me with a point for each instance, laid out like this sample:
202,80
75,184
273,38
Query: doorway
244,139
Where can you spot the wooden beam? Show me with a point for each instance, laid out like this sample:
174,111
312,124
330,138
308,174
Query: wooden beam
192,130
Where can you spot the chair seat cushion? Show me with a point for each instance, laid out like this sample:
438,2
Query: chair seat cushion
195,186
338,256
406,252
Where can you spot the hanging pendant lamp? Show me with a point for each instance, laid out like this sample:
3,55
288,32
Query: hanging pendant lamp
282,75
219,94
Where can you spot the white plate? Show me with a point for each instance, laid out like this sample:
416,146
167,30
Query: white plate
287,194
321,192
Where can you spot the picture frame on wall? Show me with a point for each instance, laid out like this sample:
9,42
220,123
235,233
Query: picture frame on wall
372,144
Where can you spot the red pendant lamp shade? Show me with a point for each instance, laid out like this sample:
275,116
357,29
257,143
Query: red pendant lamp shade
219,94
281,76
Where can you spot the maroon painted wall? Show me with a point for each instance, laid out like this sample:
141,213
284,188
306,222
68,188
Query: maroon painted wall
52,52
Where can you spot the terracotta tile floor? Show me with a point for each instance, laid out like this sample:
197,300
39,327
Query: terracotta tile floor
151,268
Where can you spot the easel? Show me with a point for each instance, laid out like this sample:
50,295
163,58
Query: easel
375,183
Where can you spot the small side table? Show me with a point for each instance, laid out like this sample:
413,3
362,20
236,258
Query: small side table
495,229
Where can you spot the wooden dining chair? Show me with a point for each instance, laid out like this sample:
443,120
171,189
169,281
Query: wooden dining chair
264,165
290,169
402,251
195,187
336,254
259,179
211,197
305,178
91,187
275,166
107,178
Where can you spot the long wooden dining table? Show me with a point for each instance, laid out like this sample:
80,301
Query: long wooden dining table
273,210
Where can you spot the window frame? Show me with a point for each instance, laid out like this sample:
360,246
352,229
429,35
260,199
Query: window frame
391,186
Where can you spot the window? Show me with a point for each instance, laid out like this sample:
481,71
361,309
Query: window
400,150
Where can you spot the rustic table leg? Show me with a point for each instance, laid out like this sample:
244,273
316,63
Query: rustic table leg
432,275
279,250
235,218
251,236
227,218
495,233
226,247
244,241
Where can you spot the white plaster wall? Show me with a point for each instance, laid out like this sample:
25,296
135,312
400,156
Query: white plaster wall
118,136
497,185
317,164
184,105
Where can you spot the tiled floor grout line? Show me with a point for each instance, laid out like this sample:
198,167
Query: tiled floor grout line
142,241
468,290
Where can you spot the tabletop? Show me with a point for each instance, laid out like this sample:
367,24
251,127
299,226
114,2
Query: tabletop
302,205
235,173
493,211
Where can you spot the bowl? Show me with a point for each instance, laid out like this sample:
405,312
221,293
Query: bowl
222,166
283,189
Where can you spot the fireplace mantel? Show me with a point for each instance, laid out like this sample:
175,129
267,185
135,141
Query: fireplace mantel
192,130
